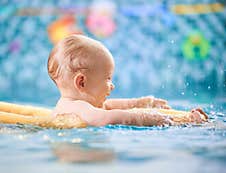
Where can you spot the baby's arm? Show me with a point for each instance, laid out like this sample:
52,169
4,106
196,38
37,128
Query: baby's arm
143,102
110,104
99,117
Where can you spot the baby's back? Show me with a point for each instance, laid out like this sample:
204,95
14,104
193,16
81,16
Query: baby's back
67,116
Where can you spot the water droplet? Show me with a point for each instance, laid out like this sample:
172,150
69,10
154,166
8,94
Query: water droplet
76,140
21,137
45,137
60,134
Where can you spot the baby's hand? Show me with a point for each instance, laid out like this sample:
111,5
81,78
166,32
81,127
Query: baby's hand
151,102
198,116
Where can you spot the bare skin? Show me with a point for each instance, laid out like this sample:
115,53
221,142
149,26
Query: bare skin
86,91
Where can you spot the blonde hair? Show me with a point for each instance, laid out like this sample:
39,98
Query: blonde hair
73,53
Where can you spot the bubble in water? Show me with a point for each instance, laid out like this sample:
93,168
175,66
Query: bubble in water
21,137
187,84
76,140
60,134
172,41
195,94
46,137
209,87
169,66
182,93
211,106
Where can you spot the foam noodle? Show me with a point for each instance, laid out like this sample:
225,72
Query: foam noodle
14,113
178,117
24,110
60,121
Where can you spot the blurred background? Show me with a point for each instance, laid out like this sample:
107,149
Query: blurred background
170,49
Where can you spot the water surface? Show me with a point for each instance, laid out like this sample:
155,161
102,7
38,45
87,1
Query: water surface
118,148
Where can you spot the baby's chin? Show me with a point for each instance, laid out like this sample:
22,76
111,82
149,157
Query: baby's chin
99,104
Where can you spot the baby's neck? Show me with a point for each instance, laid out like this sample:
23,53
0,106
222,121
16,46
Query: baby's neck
87,98
84,97
68,98
67,95
70,95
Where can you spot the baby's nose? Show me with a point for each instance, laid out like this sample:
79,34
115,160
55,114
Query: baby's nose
112,86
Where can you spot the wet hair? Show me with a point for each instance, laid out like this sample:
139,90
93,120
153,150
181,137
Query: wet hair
72,54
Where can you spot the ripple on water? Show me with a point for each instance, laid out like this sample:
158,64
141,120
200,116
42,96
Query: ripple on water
119,143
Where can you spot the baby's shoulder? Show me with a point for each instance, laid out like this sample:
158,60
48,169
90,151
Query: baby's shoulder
68,107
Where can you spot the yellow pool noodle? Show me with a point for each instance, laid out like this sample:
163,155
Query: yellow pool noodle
48,121
13,113
179,117
23,110
11,118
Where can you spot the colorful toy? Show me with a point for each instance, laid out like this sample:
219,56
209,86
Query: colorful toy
63,27
195,46
100,20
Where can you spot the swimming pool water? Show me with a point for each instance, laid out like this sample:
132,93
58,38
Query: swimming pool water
118,148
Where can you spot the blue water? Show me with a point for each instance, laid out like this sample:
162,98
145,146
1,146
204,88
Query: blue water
200,148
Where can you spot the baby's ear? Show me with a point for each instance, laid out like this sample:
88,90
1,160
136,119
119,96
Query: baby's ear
79,81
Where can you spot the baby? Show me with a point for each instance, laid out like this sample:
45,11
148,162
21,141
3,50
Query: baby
82,69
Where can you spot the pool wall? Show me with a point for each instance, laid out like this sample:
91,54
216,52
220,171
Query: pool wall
171,49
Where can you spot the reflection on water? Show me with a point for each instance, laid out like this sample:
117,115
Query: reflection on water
76,153
18,129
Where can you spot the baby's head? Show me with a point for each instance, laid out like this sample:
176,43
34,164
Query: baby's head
82,69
